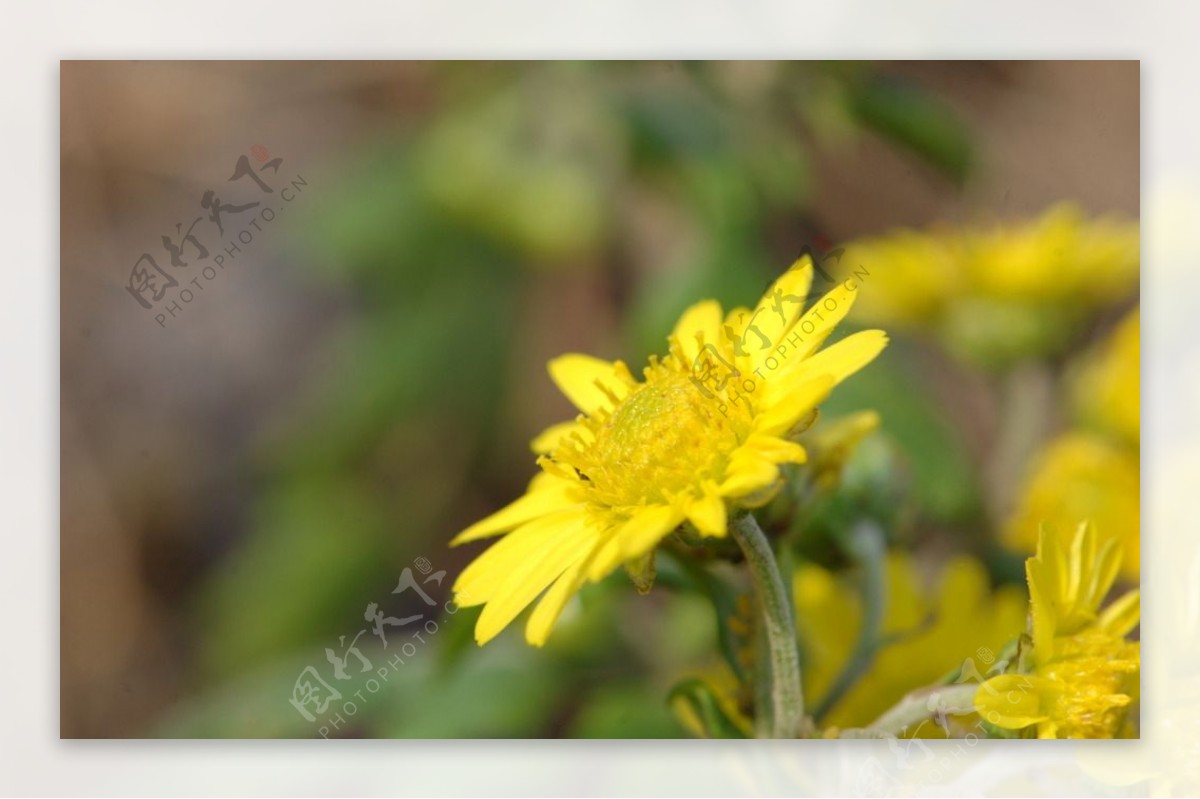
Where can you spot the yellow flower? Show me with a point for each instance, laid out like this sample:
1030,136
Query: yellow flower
1086,696
998,293
834,444
1082,672
1082,476
705,431
916,274
1061,256
1067,583
931,632
1107,390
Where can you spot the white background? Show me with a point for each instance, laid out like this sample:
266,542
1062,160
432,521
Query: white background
35,36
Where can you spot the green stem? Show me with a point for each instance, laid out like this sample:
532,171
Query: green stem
923,704
787,698
866,545
763,685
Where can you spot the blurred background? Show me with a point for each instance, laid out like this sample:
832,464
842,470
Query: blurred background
247,467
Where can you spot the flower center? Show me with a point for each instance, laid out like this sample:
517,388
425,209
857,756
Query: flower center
1097,672
664,438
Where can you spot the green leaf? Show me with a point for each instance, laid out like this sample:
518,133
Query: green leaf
505,689
254,705
457,643
673,122
915,119
442,349
624,711
317,546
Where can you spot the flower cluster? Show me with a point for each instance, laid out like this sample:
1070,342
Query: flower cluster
997,294
1079,677
836,613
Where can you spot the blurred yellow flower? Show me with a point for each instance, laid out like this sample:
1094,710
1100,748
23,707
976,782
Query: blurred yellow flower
913,274
998,293
1059,257
1107,390
1082,476
834,442
931,633
705,431
1082,673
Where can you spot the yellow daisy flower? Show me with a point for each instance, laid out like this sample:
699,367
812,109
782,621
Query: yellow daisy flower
922,272
1062,256
998,293
1107,389
1067,584
1082,476
702,433
1083,673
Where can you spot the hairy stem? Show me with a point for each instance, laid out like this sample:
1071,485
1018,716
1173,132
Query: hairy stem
787,699
919,705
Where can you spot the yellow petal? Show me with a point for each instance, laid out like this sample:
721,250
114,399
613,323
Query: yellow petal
778,310
528,578
646,528
547,494
699,325
1123,615
737,316
1052,554
549,438
1012,701
839,361
747,473
779,450
479,581
708,514
782,412
1103,567
606,558
1082,555
734,330
541,621
810,331
1042,611
845,432
580,378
